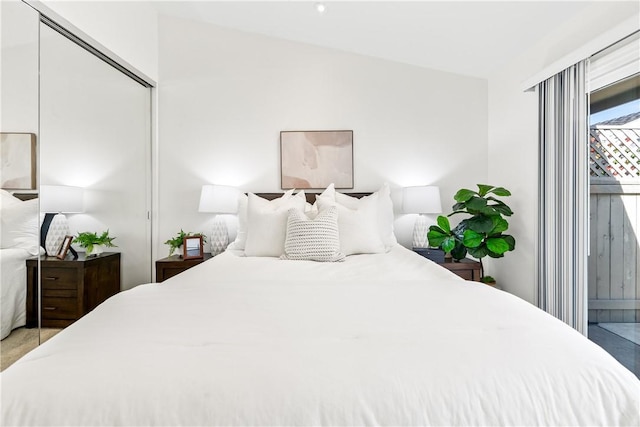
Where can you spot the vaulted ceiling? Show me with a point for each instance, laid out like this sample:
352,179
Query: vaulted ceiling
473,38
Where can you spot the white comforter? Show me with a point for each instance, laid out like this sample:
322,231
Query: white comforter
378,340
13,276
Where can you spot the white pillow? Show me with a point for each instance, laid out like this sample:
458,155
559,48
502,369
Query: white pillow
313,239
8,199
358,227
267,224
241,236
385,212
19,226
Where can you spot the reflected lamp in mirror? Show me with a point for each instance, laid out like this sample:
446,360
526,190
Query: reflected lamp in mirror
422,200
55,201
219,199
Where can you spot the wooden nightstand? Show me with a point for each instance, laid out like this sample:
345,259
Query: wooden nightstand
70,288
172,265
465,268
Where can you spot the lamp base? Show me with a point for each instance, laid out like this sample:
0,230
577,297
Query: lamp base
219,236
420,230
58,229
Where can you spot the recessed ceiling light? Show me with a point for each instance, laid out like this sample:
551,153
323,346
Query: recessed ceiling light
321,7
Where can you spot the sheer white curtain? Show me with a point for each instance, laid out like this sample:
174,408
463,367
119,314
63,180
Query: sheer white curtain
563,196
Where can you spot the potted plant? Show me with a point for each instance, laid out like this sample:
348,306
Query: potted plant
481,234
93,243
177,241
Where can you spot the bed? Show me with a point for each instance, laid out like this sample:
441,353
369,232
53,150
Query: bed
382,338
19,241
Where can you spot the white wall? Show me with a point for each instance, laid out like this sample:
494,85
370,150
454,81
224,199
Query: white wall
225,95
127,28
513,136
19,68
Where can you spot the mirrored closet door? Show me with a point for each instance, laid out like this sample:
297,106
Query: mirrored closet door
95,132
90,118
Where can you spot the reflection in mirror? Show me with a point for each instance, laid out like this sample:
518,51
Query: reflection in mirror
18,174
95,136
92,125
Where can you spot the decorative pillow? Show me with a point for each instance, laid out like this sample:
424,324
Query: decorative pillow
313,239
8,199
19,226
267,224
241,236
385,212
358,227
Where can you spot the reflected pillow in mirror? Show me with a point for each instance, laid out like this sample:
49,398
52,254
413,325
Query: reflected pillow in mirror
20,226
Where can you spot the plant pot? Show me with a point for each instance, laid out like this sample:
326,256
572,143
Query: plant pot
177,251
96,250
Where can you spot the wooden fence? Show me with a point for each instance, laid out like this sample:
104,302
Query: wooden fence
614,271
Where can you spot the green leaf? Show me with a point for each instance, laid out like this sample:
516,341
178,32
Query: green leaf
459,251
479,252
458,206
443,222
494,255
497,245
500,191
476,203
510,241
489,210
448,244
472,239
499,225
463,195
484,189
503,209
436,236
480,223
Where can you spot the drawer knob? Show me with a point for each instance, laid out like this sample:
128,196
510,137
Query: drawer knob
49,308
50,278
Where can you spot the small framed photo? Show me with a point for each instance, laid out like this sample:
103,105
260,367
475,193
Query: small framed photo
64,247
192,247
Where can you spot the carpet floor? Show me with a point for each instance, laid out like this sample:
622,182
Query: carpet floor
21,341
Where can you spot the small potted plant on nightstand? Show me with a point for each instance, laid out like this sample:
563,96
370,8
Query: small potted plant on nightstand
481,234
93,243
176,242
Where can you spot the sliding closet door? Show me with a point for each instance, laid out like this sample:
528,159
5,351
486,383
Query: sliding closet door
95,134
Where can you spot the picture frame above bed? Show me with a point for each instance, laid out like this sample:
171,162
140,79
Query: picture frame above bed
18,161
316,159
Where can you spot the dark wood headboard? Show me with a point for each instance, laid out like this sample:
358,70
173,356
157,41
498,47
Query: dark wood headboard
311,197
25,196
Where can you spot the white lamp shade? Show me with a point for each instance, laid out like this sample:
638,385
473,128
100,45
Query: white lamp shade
220,199
61,198
424,199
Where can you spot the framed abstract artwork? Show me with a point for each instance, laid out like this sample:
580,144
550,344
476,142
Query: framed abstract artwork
18,161
315,159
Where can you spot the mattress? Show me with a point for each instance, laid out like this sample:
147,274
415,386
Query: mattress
13,273
382,339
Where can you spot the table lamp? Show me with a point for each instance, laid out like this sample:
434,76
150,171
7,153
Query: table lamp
55,201
219,199
424,199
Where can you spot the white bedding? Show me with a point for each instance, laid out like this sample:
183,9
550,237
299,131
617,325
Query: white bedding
13,273
385,339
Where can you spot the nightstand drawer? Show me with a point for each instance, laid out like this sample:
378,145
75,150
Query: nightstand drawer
59,278
59,308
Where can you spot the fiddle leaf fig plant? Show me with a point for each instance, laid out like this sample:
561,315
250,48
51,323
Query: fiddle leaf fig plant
481,234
